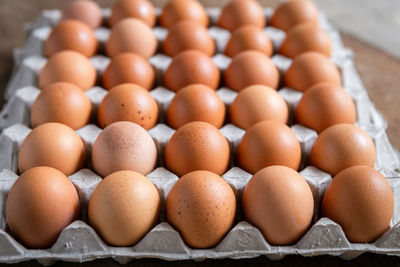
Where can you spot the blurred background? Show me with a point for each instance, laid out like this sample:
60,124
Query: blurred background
370,28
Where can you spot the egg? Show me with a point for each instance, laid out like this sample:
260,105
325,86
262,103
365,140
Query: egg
237,13
71,35
186,35
196,102
291,13
202,207
306,37
311,68
191,67
124,207
268,143
249,37
64,103
54,145
178,10
139,9
88,12
197,146
40,204
341,146
257,103
128,102
324,105
68,66
131,35
128,68
361,201
121,146
251,68
278,201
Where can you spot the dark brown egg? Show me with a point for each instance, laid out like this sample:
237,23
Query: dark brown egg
237,13
128,68
191,67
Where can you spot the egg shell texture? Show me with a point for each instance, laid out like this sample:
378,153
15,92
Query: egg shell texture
88,12
140,9
178,10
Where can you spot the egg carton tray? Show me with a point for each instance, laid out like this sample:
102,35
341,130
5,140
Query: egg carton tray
79,242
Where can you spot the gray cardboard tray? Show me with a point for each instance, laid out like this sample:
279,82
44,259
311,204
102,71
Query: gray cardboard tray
79,242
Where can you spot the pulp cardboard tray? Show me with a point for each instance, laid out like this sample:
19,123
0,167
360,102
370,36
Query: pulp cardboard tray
79,242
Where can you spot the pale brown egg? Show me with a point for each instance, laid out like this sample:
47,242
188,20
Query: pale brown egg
278,201
361,201
251,68
311,68
54,145
324,105
128,68
202,207
40,204
186,35
178,10
64,103
257,103
341,146
128,102
124,207
237,13
197,146
249,37
196,102
191,67
268,143
306,37
121,146
139,9
71,35
86,11
291,13
68,66
131,35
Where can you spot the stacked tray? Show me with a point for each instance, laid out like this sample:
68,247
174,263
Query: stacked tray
79,242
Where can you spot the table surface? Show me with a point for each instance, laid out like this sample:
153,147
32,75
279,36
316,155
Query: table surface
379,71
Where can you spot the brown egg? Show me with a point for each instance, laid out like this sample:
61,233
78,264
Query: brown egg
311,68
121,146
341,146
278,201
128,102
71,35
124,207
68,66
197,146
324,105
178,10
294,12
249,37
237,13
88,12
306,37
196,102
257,103
131,35
139,9
54,145
268,143
251,68
190,67
40,204
188,34
202,207
128,68
64,103
361,201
